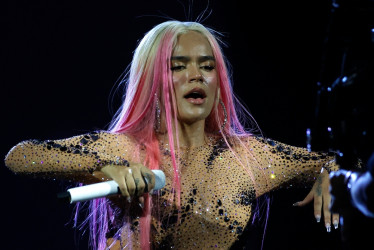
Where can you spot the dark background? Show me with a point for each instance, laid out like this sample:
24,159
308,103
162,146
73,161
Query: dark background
60,60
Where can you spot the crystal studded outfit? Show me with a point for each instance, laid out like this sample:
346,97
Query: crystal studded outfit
219,182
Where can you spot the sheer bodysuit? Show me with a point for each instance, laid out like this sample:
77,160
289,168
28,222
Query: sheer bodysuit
219,183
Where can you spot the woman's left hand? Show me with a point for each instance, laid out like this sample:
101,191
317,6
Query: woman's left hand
320,193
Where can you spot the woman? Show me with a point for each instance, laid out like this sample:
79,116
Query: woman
179,115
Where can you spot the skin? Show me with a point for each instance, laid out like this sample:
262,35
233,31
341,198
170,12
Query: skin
321,196
193,65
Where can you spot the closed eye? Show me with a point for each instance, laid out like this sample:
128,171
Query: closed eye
208,68
177,68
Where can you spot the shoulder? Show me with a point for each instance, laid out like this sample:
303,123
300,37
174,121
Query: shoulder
114,144
246,141
241,144
261,144
119,139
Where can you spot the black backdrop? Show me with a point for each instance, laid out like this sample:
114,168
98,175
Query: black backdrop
61,59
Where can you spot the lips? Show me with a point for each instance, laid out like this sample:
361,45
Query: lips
195,93
195,96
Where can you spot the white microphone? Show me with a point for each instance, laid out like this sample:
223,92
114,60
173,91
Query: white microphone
103,189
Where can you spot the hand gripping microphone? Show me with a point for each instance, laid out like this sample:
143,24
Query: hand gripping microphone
103,189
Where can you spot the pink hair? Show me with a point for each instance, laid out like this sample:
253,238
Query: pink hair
149,75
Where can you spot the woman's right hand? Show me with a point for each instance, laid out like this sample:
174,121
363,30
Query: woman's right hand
133,181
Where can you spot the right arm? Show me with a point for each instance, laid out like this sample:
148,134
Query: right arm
87,158
76,158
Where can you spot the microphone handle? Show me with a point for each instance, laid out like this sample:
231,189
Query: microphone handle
103,189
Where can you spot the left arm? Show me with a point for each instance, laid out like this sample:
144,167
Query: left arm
284,166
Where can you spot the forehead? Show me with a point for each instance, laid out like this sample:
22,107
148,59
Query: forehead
192,43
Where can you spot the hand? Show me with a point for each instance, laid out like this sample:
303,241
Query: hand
320,193
134,180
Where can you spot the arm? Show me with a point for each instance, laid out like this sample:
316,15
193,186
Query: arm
286,166
75,158
87,158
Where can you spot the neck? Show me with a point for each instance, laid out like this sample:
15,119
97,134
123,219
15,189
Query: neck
190,135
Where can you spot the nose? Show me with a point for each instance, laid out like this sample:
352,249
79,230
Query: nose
195,75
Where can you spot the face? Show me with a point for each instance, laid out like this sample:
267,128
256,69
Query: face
194,76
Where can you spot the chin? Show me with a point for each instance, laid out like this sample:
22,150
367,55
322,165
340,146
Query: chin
192,118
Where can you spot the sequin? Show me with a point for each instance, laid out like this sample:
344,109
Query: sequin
217,192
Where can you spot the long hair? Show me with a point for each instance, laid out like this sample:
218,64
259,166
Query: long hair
148,77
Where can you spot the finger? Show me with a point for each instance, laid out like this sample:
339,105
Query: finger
139,182
327,216
317,207
334,205
326,205
122,187
149,179
306,200
335,220
141,201
131,187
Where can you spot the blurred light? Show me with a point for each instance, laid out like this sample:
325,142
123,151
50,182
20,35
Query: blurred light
308,139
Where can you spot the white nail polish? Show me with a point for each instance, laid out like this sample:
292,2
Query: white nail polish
328,227
318,218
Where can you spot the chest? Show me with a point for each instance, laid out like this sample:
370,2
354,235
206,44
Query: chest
216,194
214,188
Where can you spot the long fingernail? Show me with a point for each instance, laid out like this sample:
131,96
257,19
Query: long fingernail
151,192
328,227
141,205
336,224
295,204
128,199
318,218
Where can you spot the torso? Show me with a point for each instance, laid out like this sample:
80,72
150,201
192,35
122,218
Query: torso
216,197
218,183
215,202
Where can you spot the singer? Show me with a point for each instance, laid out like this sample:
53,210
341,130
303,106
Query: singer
179,115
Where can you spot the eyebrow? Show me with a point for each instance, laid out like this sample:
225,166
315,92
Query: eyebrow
187,58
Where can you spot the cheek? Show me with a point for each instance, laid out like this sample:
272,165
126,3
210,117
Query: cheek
178,79
211,80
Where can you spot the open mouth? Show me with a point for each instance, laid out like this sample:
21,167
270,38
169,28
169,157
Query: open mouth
195,93
195,96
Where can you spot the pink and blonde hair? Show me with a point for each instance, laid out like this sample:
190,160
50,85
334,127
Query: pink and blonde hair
148,76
